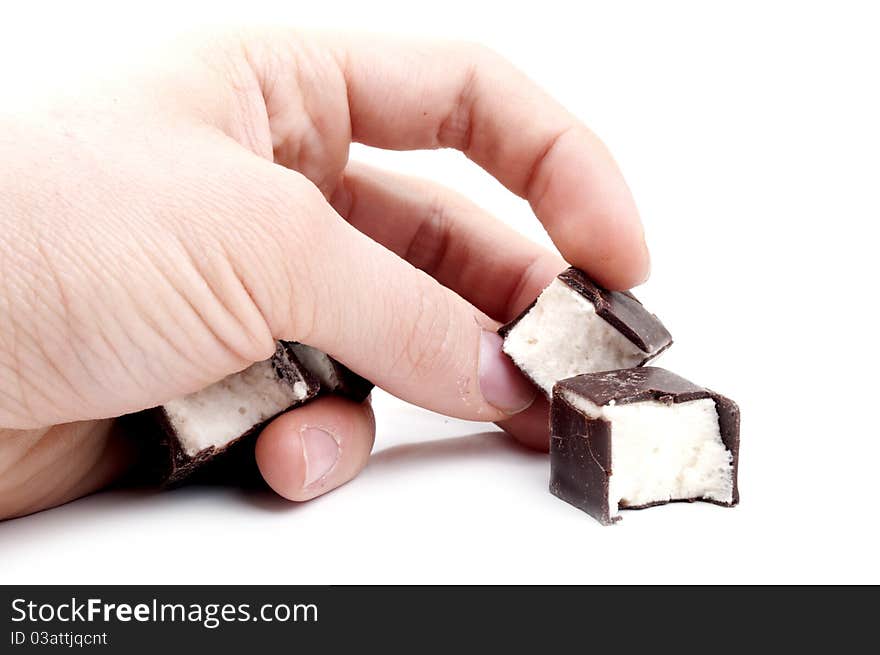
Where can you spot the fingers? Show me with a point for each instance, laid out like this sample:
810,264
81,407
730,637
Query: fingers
442,233
453,240
316,448
403,95
397,326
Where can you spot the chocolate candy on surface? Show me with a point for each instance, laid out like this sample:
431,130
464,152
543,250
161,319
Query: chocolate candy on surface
639,437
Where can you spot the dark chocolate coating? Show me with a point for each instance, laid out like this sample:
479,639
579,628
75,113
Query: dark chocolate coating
624,311
580,460
351,385
347,383
580,447
619,308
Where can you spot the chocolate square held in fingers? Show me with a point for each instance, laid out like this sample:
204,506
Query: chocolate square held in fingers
575,326
221,419
201,425
640,437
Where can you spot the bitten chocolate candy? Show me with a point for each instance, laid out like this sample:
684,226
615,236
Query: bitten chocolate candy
639,437
575,326
197,428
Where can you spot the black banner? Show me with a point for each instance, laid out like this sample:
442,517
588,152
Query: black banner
286,619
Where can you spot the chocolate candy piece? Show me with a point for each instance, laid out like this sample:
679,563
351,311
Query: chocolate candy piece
203,424
639,437
219,419
575,326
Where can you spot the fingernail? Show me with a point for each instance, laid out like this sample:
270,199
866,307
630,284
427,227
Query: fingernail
647,259
501,383
320,451
647,271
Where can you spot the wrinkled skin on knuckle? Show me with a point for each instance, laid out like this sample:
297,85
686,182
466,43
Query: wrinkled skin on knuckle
189,274
475,63
305,97
282,249
209,230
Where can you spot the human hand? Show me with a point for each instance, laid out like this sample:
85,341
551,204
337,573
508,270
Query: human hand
160,232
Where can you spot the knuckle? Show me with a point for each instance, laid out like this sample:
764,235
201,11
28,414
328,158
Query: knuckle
477,62
304,91
282,239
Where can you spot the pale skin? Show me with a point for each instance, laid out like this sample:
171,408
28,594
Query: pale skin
160,231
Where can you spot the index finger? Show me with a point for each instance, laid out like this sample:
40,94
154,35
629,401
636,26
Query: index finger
408,96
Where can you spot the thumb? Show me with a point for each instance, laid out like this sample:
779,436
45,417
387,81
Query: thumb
313,449
396,325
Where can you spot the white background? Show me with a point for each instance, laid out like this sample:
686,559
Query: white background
749,134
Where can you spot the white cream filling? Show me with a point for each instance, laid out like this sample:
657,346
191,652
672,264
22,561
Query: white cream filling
227,409
563,336
663,452
318,364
